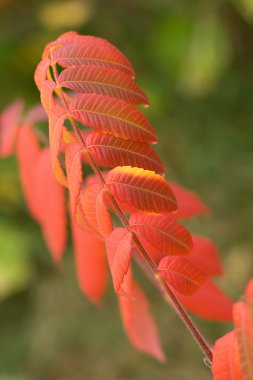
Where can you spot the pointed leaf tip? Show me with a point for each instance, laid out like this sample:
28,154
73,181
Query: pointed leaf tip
138,322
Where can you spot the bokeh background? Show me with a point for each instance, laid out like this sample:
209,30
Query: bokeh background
195,61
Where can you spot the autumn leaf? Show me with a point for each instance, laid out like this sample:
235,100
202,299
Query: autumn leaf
118,248
9,123
189,203
209,302
181,274
90,54
51,209
107,81
90,263
226,365
162,232
95,210
138,321
142,189
113,116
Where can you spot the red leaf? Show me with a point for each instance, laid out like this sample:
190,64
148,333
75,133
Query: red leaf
40,74
73,155
35,115
142,189
138,323
90,263
204,254
181,274
189,204
28,153
9,122
209,302
153,252
118,248
56,121
162,232
72,37
88,54
102,80
112,116
44,196
50,201
95,210
225,365
244,335
111,151
92,179
82,220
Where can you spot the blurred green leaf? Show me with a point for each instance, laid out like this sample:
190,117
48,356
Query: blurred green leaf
206,57
172,40
245,7
194,49
16,269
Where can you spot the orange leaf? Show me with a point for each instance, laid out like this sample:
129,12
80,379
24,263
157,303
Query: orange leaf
225,365
91,264
72,37
112,116
189,203
95,210
244,335
111,151
28,153
9,122
153,252
102,80
181,274
73,155
50,202
138,322
142,189
204,254
40,74
209,302
162,232
118,248
57,117
35,114
46,94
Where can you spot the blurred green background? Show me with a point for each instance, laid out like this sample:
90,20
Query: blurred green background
195,61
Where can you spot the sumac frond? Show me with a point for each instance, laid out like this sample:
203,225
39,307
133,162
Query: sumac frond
85,81
95,88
